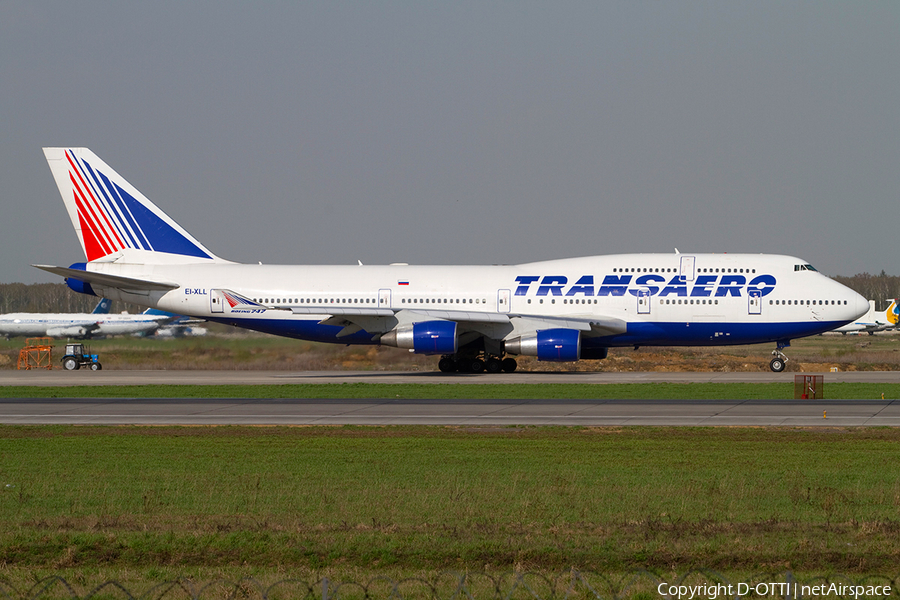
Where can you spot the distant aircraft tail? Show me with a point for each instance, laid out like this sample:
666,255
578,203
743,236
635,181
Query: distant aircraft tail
112,218
893,312
102,307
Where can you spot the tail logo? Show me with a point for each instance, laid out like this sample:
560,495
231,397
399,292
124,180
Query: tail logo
893,312
238,301
111,219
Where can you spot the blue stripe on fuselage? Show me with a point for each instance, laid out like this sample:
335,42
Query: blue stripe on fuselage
302,329
638,334
709,334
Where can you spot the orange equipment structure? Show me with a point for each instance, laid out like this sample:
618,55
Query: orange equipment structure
36,354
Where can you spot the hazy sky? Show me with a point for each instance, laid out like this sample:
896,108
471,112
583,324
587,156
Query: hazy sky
463,132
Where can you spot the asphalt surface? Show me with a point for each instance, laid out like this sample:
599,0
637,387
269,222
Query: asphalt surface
58,377
302,411
238,411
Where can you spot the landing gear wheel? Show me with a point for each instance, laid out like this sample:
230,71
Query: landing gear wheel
509,365
493,365
476,365
780,361
70,364
447,365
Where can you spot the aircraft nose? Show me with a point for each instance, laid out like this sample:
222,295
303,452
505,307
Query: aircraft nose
860,306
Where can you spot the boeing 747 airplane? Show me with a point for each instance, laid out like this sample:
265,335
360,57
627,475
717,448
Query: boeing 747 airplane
473,317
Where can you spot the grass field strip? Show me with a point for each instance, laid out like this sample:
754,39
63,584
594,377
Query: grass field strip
637,585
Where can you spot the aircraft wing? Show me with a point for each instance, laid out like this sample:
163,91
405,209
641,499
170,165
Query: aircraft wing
591,327
460,316
379,320
359,312
110,281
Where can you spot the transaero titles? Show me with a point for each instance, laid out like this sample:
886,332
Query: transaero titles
653,284
783,589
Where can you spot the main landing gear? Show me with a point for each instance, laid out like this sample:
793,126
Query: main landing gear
476,363
778,363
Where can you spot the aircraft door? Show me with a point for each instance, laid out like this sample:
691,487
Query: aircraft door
687,268
503,301
384,298
216,301
754,302
643,301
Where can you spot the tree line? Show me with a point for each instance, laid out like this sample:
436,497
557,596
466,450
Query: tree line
57,297
881,288
51,298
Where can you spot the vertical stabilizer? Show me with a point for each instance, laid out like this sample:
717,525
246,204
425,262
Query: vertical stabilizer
110,215
102,307
893,312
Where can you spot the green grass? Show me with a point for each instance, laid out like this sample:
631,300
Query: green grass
357,501
649,391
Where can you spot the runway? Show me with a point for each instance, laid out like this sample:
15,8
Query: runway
58,377
781,413
473,412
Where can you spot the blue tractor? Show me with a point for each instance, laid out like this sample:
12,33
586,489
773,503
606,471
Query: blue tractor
76,358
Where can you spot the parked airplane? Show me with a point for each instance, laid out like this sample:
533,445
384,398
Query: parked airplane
474,317
82,325
873,321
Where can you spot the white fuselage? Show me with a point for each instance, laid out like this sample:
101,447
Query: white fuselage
662,299
76,325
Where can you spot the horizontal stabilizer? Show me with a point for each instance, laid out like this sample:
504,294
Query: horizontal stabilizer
111,281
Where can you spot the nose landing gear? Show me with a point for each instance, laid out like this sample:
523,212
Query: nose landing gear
778,363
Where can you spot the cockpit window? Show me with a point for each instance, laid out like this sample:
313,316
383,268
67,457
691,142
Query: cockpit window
804,268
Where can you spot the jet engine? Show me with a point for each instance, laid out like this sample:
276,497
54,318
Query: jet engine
429,337
72,331
558,345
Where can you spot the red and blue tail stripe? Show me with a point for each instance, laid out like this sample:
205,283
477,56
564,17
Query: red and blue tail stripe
236,300
112,219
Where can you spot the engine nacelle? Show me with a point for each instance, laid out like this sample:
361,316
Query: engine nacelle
82,287
72,331
557,345
429,337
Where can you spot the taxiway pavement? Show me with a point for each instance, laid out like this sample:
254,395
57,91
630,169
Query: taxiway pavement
58,377
245,411
472,412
